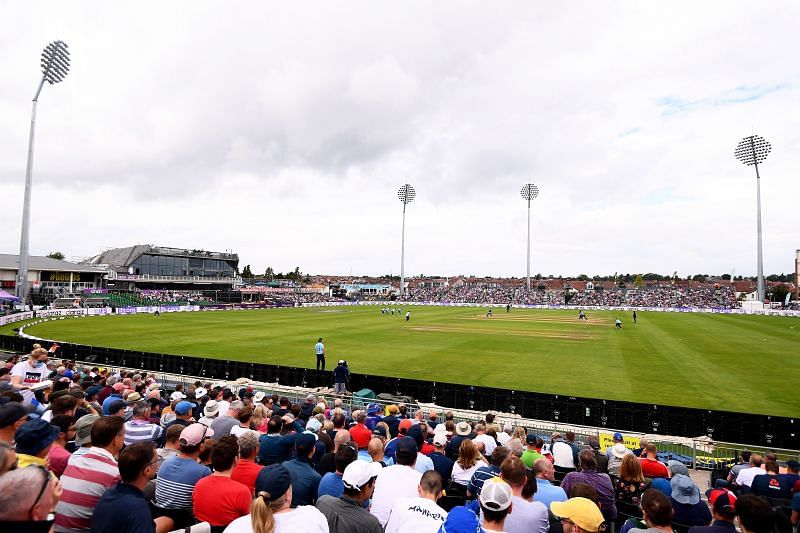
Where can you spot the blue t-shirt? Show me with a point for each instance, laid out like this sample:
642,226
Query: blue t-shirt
123,509
176,480
331,484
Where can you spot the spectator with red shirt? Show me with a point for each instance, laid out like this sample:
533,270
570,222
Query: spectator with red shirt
246,470
58,455
359,432
218,499
651,466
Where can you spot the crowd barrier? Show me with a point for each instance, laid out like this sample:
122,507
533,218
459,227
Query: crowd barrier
726,426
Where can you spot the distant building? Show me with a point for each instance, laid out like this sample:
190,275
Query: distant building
145,266
50,277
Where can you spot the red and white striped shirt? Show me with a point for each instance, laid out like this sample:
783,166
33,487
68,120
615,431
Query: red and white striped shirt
84,481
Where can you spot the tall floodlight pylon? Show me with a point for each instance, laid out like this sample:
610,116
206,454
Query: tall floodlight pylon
529,191
55,67
751,151
406,194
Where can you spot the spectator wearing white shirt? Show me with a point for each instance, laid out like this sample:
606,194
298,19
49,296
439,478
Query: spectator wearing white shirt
746,475
397,481
489,444
420,514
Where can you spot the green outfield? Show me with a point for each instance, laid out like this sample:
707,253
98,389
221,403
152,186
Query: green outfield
714,361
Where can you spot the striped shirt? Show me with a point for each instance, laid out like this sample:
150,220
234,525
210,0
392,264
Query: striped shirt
176,480
85,480
138,430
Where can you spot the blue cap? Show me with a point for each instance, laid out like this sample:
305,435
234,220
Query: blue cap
275,480
184,407
305,443
34,436
618,436
461,520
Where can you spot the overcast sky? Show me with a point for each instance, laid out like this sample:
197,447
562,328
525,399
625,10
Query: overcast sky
283,132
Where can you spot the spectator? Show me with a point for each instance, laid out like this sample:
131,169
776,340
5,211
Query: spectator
373,415
117,408
743,463
792,474
34,440
495,501
564,459
140,427
600,482
124,508
8,458
618,453
274,447
527,516
419,513
218,499
723,509
327,462
469,460
462,432
271,511
746,475
225,422
487,471
360,433
116,395
83,434
305,480
331,483
210,413
675,468
441,463
375,450
600,457
755,514
530,455
61,405
88,476
58,455
617,438
12,416
348,514
246,470
27,497
489,443
630,485
245,418
400,480
29,372
685,500
657,514
424,463
770,484
651,467
578,515
183,417
392,420
178,476
546,491
172,447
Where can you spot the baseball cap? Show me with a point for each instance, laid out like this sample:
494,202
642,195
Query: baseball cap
373,408
184,407
83,429
34,436
722,501
358,473
313,425
582,511
118,387
406,447
193,434
440,439
177,395
495,494
405,424
211,409
791,464
11,412
530,438
379,431
684,490
275,480
115,406
304,443
199,392
92,391
461,520
677,467
618,436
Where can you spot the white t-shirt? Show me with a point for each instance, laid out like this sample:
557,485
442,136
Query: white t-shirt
462,476
306,518
30,376
236,431
489,443
562,454
397,481
503,438
527,517
223,407
746,475
417,515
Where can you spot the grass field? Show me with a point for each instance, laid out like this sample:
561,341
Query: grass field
725,362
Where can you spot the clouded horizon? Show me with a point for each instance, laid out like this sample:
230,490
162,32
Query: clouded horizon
282,132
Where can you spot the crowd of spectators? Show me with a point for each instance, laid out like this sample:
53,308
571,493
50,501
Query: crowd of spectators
82,449
155,297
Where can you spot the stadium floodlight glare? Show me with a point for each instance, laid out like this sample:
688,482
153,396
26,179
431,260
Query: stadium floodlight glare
55,67
529,191
406,194
751,151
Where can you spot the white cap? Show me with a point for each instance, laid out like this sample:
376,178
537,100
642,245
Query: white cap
177,395
495,494
440,439
199,392
358,473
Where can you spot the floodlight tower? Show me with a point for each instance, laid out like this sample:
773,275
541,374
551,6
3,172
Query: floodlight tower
529,191
406,194
751,151
55,67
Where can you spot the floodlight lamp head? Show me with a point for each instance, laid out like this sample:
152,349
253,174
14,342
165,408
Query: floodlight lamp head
55,62
752,150
529,191
406,194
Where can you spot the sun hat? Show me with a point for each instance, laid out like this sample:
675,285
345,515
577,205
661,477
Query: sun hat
34,436
463,429
358,473
495,495
199,392
275,480
373,408
619,450
677,467
184,407
258,396
133,397
211,409
153,386
684,490
194,434
582,511
83,429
